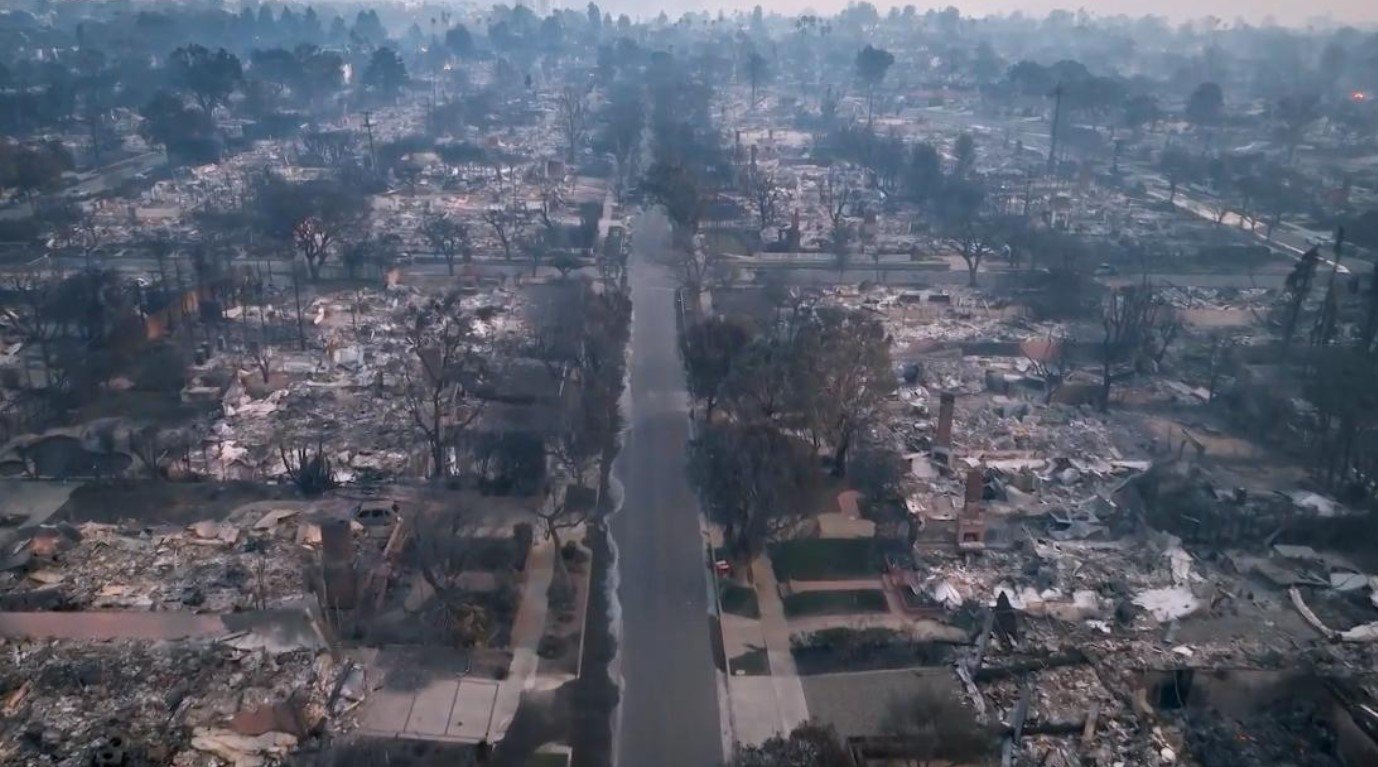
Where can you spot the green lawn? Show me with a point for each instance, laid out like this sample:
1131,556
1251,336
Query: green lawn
844,649
808,603
823,559
739,600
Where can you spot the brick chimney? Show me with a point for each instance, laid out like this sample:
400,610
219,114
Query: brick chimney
946,403
971,523
337,564
975,483
942,440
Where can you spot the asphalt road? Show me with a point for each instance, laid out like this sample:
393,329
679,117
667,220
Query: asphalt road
669,706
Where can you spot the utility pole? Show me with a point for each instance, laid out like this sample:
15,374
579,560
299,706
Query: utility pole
1057,118
368,126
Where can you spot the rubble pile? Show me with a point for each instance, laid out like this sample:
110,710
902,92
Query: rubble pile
250,332
1142,568
1197,297
1062,702
927,320
1037,460
1194,505
1008,425
1138,568
210,566
1002,424
1291,731
322,393
1063,694
176,703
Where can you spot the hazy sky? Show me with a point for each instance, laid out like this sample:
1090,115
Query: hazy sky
1290,12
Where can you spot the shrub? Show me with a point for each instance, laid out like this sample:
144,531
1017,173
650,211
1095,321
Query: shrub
551,646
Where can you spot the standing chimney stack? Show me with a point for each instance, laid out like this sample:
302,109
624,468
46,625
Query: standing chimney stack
975,484
337,564
971,523
942,441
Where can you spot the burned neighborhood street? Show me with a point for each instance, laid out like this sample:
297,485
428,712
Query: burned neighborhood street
604,384
669,708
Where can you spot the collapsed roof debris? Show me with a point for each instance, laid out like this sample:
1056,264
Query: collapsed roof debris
183,702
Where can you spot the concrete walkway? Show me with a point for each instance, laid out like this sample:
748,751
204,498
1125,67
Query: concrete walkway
449,706
741,635
527,628
765,706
